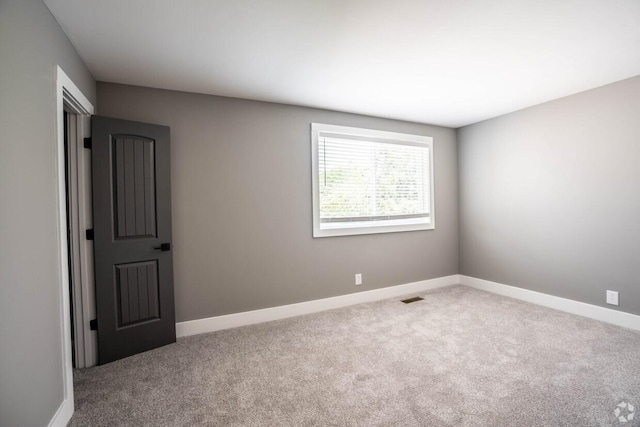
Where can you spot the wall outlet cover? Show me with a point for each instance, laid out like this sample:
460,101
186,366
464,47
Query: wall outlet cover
358,279
612,297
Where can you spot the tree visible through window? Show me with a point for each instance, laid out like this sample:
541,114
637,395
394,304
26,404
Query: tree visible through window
368,181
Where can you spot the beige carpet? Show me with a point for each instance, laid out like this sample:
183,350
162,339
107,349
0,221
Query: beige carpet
461,357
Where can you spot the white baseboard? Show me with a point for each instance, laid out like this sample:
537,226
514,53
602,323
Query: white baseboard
228,321
212,324
603,314
63,414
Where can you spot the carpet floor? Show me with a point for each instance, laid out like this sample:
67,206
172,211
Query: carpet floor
460,357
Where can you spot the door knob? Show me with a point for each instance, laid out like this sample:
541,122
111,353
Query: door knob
163,247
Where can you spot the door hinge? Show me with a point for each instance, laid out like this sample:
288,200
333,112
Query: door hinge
89,234
88,143
93,324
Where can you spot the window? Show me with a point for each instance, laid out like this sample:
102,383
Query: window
368,181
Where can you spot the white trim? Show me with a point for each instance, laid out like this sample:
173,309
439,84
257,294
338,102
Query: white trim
66,93
212,324
63,414
603,314
235,320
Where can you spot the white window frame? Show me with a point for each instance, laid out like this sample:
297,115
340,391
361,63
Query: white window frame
317,130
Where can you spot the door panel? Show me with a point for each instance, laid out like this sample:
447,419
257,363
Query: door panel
137,292
134,172
132,227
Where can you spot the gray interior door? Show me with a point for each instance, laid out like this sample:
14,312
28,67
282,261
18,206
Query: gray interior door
132,237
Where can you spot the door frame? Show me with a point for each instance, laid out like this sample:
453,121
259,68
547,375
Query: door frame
69,97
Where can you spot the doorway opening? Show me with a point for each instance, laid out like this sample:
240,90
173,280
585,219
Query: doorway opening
80,260
77,169
67,118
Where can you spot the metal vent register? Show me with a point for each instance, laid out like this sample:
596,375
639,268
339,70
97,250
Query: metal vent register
414,299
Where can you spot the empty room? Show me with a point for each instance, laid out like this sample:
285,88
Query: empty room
319,213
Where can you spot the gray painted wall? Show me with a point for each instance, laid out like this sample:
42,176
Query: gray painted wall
242,226
549,197
31,45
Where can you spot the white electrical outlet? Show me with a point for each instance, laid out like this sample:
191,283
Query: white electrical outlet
358,279
612,297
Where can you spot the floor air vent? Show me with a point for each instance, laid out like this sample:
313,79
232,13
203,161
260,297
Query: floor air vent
414,299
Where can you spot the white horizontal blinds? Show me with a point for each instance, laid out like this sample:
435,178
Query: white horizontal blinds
368,179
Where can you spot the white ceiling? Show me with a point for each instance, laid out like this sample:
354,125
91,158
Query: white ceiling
445,62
